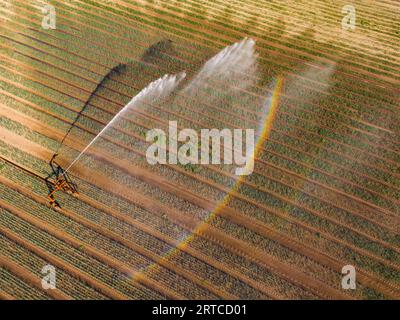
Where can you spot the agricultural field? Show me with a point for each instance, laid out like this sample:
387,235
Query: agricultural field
85,213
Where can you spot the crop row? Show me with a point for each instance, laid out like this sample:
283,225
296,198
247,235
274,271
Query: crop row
145,31
116,251
111,48
168,22
193,265
16,287
66,283
229,254
230,29
178,176
130,232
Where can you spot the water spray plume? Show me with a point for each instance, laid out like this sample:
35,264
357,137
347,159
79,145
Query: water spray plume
235,65
156,90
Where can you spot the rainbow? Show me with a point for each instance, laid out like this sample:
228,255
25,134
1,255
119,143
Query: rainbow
264,135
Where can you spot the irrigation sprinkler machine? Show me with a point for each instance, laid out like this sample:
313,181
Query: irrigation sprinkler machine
62,182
